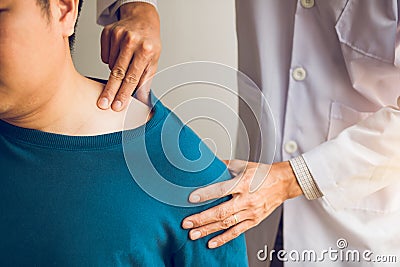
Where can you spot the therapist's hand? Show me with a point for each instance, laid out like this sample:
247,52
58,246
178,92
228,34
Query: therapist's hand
257,190
131,47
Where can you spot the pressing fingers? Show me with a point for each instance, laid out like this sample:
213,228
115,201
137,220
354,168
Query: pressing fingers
130,81
115,80
215,191
230,221
230,234
213,215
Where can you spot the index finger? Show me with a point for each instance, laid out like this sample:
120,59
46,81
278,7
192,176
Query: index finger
129,85
216,190
116,78
212,215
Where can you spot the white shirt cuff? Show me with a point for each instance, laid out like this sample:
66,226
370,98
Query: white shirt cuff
305,179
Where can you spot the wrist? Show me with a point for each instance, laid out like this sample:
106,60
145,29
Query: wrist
132,8
292,187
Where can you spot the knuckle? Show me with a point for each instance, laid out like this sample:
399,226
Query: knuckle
204,232
226,223
249,202
221,213
252,201
148,47
266,206
236,232
197,220
131,79
117,30
131,39
253,213
118,73
115,35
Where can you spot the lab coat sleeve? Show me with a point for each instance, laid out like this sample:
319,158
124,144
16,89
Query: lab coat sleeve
107,9
365,157
362,160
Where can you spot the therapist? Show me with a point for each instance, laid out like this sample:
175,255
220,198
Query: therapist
328,70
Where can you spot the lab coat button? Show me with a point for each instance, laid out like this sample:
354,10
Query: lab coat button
291,147
307,3
299,74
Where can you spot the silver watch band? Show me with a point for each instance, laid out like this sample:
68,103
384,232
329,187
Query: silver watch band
305,179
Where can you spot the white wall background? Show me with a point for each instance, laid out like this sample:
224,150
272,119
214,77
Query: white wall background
191,30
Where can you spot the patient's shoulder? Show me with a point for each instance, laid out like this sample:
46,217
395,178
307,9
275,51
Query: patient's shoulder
136,114
101,121
178,154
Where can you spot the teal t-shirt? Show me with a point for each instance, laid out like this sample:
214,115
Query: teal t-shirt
91,201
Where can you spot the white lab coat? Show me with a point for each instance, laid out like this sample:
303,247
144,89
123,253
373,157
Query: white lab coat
347,49
343,116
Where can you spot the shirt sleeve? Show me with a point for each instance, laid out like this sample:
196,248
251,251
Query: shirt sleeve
362,160
107,9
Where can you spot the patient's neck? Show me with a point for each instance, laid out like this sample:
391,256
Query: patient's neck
71,109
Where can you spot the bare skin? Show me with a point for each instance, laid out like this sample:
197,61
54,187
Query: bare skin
47,93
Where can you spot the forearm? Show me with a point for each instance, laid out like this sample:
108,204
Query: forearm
107,10
363,159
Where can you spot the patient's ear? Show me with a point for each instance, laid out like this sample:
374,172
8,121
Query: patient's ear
67,14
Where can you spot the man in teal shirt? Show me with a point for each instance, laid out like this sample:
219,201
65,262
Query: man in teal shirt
69,195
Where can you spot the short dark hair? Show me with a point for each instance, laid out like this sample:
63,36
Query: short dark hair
45,6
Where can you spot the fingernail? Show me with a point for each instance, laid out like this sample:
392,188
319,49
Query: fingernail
104,103
187,225
194,235
194,198
212,244
117,105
